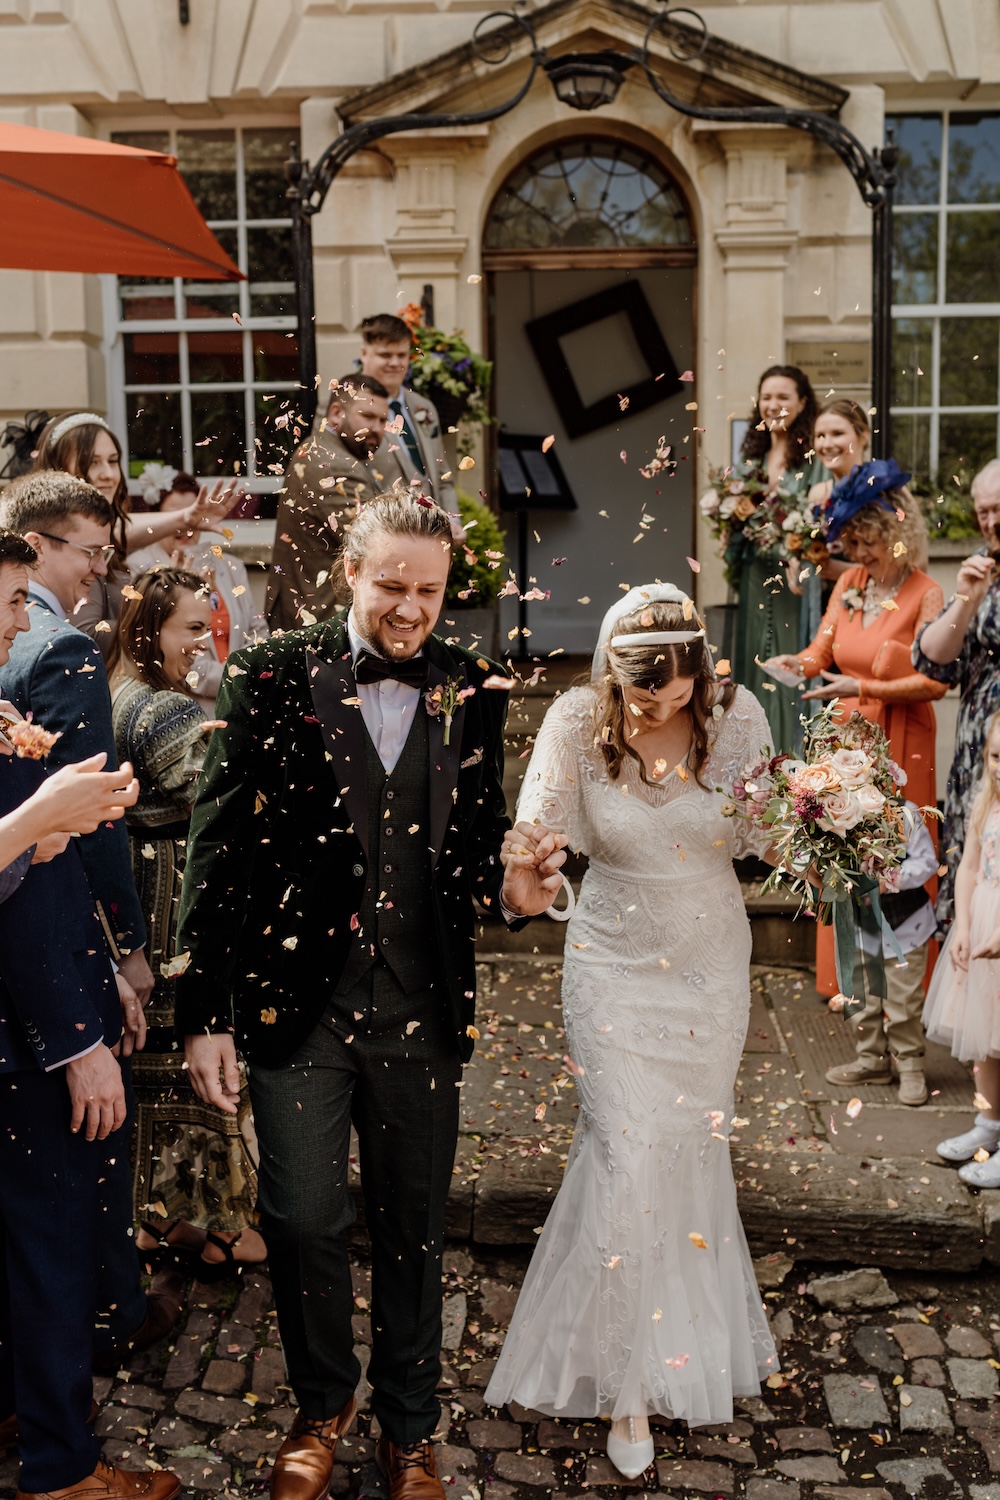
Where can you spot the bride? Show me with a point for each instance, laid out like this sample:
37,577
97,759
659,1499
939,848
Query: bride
640,1297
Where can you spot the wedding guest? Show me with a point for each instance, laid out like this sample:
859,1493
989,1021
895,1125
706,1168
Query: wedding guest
890,1030
962,1012
198,1165
329,477
341,832
55,673
62,1096
877,607
236,621
640,1298
778,449
412,450
82,443
962,648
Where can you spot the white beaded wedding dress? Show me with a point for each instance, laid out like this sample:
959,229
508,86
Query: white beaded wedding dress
640,1296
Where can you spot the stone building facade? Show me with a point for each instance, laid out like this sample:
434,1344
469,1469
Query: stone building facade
742,244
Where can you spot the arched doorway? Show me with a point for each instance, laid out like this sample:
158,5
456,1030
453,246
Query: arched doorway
589,253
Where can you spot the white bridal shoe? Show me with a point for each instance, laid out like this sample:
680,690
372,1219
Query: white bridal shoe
633,1457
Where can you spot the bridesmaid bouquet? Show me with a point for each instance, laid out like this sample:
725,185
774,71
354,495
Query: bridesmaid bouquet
839,811
742,511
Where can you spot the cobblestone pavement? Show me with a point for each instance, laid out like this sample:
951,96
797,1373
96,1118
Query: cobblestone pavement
881,1401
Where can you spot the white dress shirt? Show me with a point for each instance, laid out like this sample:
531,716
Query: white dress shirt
49,598
387,707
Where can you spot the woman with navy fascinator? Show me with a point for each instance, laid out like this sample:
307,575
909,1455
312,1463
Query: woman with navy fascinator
861,651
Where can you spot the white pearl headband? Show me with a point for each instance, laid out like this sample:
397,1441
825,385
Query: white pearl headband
656,638
78,419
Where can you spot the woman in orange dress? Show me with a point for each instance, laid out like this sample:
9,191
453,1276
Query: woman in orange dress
862,647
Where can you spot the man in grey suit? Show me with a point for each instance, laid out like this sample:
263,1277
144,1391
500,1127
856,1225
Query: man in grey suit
414,452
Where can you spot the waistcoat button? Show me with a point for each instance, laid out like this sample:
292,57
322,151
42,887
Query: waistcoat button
357,869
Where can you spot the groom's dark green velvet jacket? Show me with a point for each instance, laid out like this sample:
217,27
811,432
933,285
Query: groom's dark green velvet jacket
277,855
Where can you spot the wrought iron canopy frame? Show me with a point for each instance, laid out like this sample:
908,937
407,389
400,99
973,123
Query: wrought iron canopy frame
686,36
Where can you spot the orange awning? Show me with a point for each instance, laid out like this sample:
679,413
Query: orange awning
68,203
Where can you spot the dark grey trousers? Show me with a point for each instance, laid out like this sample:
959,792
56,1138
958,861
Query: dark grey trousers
366,1063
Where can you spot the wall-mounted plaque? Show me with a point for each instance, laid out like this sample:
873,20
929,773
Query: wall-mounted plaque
833,365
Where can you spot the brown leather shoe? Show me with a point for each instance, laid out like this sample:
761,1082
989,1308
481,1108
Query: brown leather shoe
109,1483
410,1470
163,1308
303,1466
8,1433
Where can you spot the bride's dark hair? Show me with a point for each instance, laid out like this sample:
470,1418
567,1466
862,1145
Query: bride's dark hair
651,668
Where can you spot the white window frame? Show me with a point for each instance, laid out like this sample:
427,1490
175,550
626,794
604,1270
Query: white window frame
934,312
116,327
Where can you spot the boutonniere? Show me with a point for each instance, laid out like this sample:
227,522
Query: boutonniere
852,599
422,415
446,699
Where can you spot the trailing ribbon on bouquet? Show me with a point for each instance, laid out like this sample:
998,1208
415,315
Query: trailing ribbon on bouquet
857,914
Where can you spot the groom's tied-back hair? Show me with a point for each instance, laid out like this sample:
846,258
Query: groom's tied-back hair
651,668
395,514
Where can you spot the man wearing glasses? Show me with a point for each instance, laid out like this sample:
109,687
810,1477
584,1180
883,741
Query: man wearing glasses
56,674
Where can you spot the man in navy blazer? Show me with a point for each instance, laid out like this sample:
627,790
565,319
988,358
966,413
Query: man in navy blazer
56,673
61,1096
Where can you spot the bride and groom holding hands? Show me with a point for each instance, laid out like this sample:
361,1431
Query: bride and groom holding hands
348,814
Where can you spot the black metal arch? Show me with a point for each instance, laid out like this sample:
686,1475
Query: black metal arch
586,80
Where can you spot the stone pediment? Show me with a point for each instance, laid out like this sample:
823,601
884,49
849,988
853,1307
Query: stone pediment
459,80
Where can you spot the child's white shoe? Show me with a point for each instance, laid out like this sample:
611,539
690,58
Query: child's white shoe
984,1136
982,1174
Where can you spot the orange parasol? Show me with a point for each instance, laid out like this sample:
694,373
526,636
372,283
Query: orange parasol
68,203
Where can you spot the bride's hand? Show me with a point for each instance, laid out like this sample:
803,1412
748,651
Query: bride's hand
532,857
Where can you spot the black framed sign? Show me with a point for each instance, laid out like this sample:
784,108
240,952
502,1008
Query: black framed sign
528,478
546,335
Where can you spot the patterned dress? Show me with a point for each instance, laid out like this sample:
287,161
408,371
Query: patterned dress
191,1162
769,616
977,673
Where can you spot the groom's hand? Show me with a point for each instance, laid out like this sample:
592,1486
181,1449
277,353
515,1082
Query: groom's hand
213,1070
532,857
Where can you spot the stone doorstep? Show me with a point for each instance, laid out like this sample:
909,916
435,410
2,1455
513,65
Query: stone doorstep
834,1208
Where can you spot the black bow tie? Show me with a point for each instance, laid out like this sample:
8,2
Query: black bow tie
370,668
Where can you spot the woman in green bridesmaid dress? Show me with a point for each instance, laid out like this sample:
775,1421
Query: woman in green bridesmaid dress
778,448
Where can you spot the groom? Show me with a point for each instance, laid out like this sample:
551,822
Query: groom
348,814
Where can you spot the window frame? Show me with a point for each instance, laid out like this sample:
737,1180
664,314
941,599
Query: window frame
940,309
116,328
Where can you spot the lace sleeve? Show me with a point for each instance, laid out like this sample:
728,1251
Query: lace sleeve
744,740
553,783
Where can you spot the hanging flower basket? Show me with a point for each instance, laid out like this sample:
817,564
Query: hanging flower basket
450,408
448,372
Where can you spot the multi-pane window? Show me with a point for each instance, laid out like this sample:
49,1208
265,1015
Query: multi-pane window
946,292
206,366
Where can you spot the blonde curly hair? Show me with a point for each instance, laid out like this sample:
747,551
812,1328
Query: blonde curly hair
905,523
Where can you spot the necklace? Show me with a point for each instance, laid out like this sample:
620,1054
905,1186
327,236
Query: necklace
872,603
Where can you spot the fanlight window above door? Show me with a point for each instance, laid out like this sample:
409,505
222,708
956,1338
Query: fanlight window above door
588,195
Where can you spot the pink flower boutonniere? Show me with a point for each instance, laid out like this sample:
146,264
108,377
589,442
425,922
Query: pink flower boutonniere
445,699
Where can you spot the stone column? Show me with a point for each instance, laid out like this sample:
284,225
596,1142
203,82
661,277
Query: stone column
748,250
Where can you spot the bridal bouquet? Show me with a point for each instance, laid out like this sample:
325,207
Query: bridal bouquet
839,811
743,511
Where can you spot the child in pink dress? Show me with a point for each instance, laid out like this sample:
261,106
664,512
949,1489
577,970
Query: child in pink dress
963,1001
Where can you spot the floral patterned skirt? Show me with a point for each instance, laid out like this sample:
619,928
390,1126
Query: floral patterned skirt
190,1160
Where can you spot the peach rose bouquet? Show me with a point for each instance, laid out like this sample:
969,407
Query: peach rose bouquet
838,825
